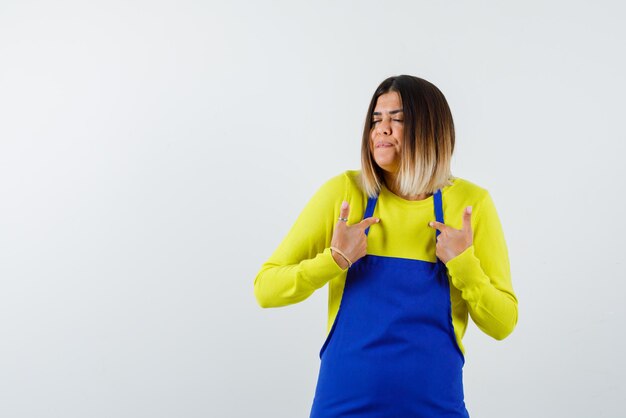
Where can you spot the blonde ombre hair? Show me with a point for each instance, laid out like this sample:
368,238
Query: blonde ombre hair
428,142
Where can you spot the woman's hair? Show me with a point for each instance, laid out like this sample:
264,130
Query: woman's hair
428,140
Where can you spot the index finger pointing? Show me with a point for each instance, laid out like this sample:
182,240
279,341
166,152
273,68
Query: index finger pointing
438,225
365,223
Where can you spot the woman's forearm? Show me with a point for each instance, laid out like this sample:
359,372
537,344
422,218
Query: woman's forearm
279,285
493,309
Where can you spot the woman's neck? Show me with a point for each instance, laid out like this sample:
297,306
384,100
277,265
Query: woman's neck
390,182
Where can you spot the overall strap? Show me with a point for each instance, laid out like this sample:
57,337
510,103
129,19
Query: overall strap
369,210
438,208
439,217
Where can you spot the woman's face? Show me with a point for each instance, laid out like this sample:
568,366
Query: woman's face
387,131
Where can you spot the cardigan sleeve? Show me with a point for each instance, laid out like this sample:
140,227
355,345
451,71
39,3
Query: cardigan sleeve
482,274
303,263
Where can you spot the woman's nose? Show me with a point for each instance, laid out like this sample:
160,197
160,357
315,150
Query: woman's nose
384,127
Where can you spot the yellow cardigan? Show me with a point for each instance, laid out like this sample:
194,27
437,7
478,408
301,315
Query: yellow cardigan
480,277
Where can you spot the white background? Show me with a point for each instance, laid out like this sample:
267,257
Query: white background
153,154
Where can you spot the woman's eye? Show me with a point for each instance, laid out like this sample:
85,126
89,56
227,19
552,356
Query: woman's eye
374,122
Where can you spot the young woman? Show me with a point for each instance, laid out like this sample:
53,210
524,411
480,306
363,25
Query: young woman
407,251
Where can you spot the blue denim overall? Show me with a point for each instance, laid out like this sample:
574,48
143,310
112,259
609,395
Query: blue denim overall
391,351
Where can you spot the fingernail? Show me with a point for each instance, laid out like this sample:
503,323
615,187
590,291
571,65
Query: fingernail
469,209
344,204
430,224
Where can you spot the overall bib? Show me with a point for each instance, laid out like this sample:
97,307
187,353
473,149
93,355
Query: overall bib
391,351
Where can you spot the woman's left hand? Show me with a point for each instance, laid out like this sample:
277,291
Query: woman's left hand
452,242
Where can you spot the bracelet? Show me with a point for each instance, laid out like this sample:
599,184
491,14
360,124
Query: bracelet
343,255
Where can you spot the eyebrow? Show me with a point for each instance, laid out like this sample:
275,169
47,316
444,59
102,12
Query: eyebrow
391,112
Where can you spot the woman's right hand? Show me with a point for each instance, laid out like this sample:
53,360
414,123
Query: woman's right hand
350,239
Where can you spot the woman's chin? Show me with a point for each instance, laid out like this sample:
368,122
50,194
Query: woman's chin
388,168
385,163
